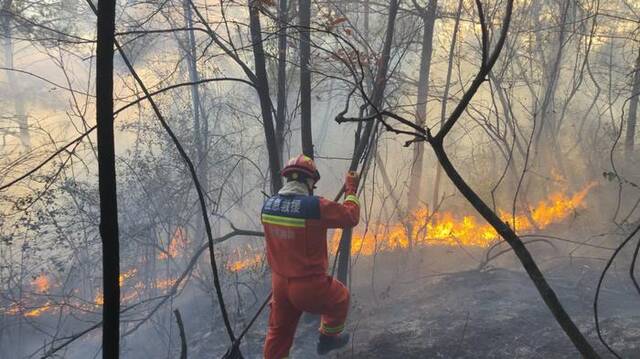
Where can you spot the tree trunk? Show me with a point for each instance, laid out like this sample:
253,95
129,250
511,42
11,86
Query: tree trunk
415,178
633,111
21,118
281,111
107,179
262,86
547,128
377,101
367,8
305,77
445,98
194,77
200,127
260,81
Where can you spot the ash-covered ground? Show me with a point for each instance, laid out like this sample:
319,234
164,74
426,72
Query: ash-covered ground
491,314
416,309
432,302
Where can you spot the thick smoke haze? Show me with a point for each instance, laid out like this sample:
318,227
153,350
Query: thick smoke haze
495,142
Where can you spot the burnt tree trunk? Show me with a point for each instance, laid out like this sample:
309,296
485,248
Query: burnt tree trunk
376,102
107,180
633,111
428,16
262,86
281,111
305,77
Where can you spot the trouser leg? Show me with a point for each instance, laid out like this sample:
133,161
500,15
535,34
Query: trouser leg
325,296
283,320
334,314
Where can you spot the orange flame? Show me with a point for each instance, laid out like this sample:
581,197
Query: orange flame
131,291
127,275
447,229
41,283
177,244
99,299
16,309
243,264
36,312
165,283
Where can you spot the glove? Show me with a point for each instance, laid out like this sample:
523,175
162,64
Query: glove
351,182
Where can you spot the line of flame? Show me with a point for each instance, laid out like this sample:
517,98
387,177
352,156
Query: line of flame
444,228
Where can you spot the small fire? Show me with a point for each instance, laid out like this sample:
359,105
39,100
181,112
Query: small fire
177,244
125,297
132,287
445,228
41,283
36,312
558,208
16,309
127,275
243,264
132,292
99,299
165,283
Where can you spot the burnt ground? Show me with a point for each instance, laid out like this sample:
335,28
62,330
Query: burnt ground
485,314
428,303
438,305
495,314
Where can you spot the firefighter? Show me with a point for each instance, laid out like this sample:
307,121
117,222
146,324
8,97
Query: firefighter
295,226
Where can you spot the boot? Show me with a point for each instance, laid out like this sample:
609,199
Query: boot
328,343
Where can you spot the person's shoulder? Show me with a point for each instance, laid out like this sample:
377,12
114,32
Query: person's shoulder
310,200
324,200
310,206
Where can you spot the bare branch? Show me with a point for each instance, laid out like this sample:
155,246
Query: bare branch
480,77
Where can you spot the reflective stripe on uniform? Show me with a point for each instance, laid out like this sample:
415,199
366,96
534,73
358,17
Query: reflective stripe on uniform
283,221
352,198
331,330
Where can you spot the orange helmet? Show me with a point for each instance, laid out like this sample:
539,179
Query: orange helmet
301,165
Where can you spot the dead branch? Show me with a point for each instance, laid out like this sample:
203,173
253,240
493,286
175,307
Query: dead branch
183,338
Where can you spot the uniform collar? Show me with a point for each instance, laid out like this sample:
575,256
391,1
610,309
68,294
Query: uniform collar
294,188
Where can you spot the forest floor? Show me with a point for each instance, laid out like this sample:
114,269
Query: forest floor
495,313
430,303
435,303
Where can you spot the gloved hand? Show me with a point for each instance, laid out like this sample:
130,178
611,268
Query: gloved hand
351,182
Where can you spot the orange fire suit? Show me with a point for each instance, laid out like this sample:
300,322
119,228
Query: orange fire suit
295,229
